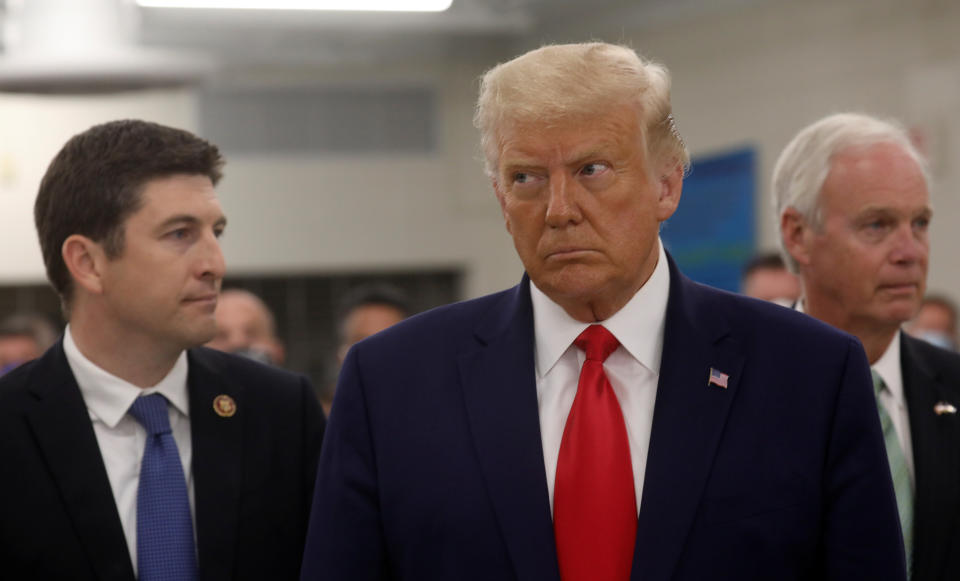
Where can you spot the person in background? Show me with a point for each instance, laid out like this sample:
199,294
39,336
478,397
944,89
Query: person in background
852,196
367,310
246,326
766,277
364,311
24,337
608,418
935,322
129,451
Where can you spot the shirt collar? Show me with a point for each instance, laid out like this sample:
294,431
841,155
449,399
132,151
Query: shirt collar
108,398
638,325
888,368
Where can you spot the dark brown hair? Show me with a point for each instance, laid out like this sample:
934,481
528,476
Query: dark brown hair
95,183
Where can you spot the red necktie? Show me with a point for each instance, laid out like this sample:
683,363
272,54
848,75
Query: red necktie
594,504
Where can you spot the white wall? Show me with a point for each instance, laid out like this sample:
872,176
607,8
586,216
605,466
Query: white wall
751,76
32,130
375,212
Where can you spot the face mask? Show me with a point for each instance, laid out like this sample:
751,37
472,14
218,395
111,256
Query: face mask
255,354
937,338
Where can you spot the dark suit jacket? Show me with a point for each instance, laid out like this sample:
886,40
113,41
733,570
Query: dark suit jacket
253,473
932,375
432,466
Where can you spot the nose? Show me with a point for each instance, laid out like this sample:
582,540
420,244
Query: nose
562,206
211,263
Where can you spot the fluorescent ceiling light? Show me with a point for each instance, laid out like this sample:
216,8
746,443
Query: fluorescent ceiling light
344,5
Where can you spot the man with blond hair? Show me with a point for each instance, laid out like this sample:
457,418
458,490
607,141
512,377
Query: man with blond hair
606,419
852,196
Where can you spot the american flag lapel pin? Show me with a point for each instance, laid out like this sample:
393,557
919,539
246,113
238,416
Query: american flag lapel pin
718,378
942,407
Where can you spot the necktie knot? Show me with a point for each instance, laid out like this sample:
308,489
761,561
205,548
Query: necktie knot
597,342
151,412
878,383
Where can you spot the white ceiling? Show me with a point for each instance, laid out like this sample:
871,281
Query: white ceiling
239,39
347,38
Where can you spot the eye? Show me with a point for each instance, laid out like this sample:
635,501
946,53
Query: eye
594,168
218,232
521,177
921,223
877,225
179,233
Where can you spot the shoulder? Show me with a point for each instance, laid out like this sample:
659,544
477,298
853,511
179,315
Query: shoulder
763,322
448,325
48,372
13,385
935,360
254,377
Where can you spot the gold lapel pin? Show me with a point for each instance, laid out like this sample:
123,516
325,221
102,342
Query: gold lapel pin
942,407
224,406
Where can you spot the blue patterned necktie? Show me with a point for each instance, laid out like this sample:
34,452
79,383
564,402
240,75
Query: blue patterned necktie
898,471
165,550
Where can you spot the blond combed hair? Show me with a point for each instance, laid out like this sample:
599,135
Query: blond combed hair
578,80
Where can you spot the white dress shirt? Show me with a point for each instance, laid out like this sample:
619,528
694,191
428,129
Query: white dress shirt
633,369
892,399
121,437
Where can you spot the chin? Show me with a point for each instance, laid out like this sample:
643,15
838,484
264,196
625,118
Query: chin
199,336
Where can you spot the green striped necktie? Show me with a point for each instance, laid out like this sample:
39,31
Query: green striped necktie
898,470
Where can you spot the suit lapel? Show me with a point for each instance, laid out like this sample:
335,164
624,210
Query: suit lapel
934,440
64,434
217,463
688,421
500,392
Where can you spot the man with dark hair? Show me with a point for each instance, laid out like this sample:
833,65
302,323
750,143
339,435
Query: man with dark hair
131,452
765,276
367,310
364,311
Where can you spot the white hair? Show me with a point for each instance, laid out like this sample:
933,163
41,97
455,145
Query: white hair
802,167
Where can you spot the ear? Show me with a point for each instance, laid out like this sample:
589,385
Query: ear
670,186
501,197
85,260
795,233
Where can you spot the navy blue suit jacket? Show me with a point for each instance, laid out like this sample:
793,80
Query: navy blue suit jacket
432,465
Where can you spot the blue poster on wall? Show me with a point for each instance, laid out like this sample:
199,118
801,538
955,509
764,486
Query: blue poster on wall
711,235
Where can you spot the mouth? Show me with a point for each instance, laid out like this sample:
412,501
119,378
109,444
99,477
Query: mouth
900,288
210,299
567,253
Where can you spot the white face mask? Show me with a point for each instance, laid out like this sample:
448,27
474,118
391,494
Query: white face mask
937,338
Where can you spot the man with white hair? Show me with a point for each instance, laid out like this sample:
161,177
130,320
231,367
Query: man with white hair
852,196
607,418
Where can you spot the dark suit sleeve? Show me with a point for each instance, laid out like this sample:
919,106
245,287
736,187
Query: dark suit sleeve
345,539
315,424
861,523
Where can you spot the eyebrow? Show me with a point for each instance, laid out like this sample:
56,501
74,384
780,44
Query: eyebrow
189,219
521,160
